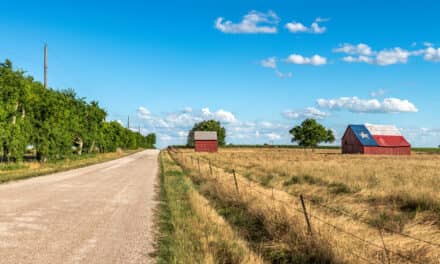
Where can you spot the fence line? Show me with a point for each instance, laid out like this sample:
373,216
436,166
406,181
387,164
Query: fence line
358,218
340,229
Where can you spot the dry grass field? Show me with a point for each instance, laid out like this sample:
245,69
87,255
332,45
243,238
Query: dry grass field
371,209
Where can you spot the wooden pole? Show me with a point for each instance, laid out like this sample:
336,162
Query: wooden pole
384,247
210,168
45,66
235,180
309,227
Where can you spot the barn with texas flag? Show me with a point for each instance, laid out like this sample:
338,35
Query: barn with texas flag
374,139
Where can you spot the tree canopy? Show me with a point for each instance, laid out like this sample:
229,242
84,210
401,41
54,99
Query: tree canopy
55,123
208,125
310,134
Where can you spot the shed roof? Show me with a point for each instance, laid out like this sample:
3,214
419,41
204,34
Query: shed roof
205,135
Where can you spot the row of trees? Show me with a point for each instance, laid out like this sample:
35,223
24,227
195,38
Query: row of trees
309,134
55,124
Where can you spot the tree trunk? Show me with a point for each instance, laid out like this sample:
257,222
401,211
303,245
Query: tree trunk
14,118
92,147
80,144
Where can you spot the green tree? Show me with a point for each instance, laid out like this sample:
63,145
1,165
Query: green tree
56,124
208,125
310,134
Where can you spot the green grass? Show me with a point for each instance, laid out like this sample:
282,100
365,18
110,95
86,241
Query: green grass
25,170
189,229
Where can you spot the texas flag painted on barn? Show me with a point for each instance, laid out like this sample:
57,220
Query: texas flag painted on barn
375,139
379,135
387,136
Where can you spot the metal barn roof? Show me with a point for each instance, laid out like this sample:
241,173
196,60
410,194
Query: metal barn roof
205,135
383,130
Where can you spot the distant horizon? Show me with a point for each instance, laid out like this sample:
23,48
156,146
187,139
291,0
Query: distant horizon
259,68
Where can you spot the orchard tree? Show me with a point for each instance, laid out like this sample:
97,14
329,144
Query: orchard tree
208,125
311,133
56,124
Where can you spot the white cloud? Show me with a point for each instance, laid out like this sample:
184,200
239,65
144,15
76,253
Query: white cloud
225,116
315,28
428,44
355,104
362,53
321,19
179,119
165,138
392,56
221,115
143,113
187,109
432,54
295,27
309,112
182,133
266,124
352,59
269,63
172,128
283,75
273,136
206,112
254,22
314,60
359,49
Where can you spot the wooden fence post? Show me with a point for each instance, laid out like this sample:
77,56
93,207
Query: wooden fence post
235,180
198,162
309,227
384,247
210,168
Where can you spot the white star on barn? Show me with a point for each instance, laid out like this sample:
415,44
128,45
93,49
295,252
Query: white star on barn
364,135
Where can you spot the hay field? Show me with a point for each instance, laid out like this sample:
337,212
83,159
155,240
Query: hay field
375,209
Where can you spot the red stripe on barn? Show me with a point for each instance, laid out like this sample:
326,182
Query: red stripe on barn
391,141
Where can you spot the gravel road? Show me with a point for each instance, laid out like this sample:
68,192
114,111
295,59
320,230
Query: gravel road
97,214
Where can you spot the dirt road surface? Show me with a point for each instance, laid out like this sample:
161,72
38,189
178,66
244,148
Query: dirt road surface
97,214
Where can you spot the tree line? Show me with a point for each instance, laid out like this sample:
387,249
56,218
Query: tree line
55,124
309,134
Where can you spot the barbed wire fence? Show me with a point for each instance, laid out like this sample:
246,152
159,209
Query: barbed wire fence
388,252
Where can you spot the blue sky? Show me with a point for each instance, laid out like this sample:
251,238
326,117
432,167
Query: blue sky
258,66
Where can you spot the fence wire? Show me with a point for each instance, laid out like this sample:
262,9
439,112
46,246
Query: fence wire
319,219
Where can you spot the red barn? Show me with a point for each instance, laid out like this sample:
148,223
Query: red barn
374,139
205,141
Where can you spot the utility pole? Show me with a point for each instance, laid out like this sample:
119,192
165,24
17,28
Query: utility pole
45,66
128,122
139,128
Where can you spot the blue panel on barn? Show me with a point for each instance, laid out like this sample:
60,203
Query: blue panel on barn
363,135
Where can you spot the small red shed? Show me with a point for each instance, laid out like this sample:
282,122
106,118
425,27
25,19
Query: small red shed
205,141
374,139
